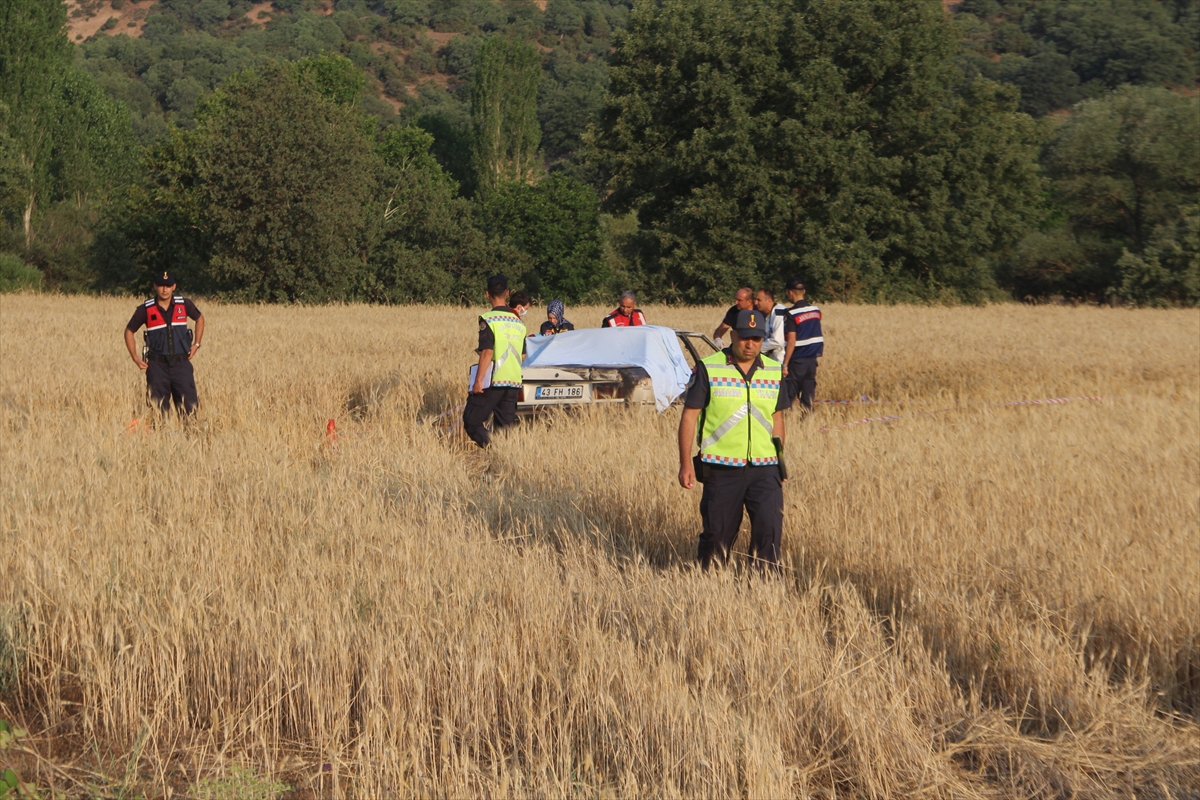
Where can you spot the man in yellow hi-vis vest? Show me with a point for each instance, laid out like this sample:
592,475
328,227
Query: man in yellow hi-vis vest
496,386
735,397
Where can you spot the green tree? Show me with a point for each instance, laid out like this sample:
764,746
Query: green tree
1169,269
34,56
1126,172
1126,163
563,17
69,139
16,275
1114,42
159,223
426,247
332,76
570,96
830,138
556,223
284,175
14,175
504,82
1046,81
451,131
1061,51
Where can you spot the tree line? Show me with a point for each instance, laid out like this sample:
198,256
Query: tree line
885,151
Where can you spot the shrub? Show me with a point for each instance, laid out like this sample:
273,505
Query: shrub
16,275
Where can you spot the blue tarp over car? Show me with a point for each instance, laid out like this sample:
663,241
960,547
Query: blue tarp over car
651,347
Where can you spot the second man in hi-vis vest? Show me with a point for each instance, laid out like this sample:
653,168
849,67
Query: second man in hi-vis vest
735,401
496,383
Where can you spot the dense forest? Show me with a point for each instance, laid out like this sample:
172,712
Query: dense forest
400,150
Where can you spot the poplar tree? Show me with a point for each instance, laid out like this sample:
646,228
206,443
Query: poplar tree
34,55
504,83
65,137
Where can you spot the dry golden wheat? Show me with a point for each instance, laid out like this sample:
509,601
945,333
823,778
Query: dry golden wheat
980,600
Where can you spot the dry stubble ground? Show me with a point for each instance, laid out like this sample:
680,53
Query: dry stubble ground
986,601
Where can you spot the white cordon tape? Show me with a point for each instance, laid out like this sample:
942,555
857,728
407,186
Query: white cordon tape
864,400
1051,401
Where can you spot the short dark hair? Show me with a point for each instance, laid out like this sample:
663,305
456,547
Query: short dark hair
768,293
519,298
796,284
497,285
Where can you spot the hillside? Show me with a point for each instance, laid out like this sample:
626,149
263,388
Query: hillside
735,144
417,54
159,58
85,20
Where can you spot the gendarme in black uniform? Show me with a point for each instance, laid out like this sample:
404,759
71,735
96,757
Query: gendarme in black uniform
804,322
169,374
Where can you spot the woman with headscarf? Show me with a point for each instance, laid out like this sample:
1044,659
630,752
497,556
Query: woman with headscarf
556,319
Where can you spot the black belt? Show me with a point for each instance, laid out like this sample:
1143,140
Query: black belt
168,360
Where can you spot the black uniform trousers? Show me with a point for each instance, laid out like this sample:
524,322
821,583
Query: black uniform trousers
727,490
172,383
802,381
499,403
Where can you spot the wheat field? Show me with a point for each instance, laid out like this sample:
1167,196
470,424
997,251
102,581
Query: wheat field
979,600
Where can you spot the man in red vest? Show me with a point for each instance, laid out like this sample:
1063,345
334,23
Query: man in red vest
170,346
625,314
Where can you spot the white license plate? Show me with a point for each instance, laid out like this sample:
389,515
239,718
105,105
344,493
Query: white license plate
557,392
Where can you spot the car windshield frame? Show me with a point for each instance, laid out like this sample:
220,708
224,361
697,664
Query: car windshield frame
689,348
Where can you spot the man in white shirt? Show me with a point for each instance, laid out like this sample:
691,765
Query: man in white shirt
775,344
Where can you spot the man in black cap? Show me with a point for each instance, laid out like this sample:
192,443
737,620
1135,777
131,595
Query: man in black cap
170,346
496,384
736,402
805,344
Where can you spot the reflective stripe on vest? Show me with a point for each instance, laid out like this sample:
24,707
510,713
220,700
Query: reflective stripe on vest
509,333
158,337
809,341
737,421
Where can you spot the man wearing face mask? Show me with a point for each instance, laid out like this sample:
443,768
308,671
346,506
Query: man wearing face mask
496,385
520,303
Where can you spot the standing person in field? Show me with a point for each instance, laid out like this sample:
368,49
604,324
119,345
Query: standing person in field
625,314
556,319
805,345
170,346
735,400
497,383
775,342
743,301
520,302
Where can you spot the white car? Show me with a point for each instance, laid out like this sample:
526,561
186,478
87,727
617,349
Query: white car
598,380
